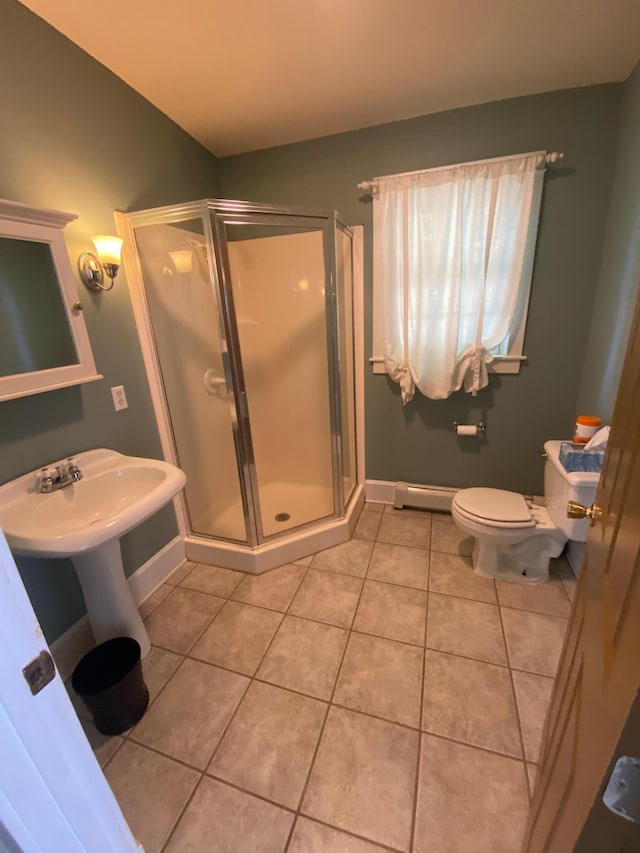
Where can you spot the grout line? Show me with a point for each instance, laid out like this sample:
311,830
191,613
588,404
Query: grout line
517,758
153,609
127,734
326,571
416,793
164,686
261,680
373,580
352,631
233,715
403,544
242,790
240,600
181,814
209,621
346,832
466,657
416,789
515,703
329,706
281,613
493,603
104,766
331,701
354,710
531,672
177,569
565,619
182,585
521,609
157,751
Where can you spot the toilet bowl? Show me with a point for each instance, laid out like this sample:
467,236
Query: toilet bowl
516,538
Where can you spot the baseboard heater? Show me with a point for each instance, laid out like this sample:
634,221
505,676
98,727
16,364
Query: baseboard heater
423,497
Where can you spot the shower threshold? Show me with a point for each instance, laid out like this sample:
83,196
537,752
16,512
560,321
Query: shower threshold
284,549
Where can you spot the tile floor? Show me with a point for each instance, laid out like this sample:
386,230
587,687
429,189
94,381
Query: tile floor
378,696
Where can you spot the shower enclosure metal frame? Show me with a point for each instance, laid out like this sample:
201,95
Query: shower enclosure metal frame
215,215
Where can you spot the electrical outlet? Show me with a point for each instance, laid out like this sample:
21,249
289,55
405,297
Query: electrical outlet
119,398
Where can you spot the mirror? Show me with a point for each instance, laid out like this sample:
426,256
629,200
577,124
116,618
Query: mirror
43,338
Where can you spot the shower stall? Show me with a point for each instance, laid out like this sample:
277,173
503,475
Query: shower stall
246,318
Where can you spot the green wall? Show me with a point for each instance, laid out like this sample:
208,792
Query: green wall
417,443
620,270
75,137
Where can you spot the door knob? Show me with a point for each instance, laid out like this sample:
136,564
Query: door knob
576,510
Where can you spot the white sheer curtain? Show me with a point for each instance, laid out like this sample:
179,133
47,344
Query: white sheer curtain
449,250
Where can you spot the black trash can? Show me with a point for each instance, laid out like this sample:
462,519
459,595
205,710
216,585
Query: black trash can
109,681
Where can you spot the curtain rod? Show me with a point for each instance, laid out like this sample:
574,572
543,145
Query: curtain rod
549,157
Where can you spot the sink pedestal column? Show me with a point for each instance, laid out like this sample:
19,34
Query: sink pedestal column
111,609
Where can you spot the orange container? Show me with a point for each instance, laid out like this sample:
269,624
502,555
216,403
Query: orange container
586,427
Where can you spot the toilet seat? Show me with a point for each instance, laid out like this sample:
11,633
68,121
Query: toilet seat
494,508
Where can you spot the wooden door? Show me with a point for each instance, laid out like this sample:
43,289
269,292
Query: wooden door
594,716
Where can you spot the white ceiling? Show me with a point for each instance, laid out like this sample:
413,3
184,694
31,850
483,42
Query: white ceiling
250,74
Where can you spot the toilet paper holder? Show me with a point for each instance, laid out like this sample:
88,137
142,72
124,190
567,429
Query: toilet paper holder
480,427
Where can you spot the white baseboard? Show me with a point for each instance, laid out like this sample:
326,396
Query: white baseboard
379,491
575,556
156,570
72,645
78,639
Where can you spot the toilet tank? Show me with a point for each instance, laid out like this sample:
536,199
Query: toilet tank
560,487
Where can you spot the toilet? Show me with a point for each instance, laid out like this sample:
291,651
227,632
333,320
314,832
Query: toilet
515,538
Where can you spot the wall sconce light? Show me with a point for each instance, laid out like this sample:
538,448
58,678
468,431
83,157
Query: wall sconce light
92,269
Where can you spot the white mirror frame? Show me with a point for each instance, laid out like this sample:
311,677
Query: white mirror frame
45,226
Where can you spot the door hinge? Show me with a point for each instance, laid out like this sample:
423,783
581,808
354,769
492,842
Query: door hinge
622,794
39,672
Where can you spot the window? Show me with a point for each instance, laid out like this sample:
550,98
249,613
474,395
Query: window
453,259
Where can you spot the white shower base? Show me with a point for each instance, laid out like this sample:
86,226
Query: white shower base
304,505
302,502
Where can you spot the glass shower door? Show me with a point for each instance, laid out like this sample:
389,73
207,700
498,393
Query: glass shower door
191,349
277,271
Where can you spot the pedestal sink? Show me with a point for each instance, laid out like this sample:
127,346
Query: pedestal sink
85,520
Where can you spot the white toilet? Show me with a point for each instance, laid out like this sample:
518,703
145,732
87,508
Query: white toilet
515,539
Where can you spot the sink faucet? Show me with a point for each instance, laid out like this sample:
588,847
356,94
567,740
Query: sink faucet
62,475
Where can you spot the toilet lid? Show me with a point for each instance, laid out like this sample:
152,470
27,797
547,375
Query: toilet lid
495,505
